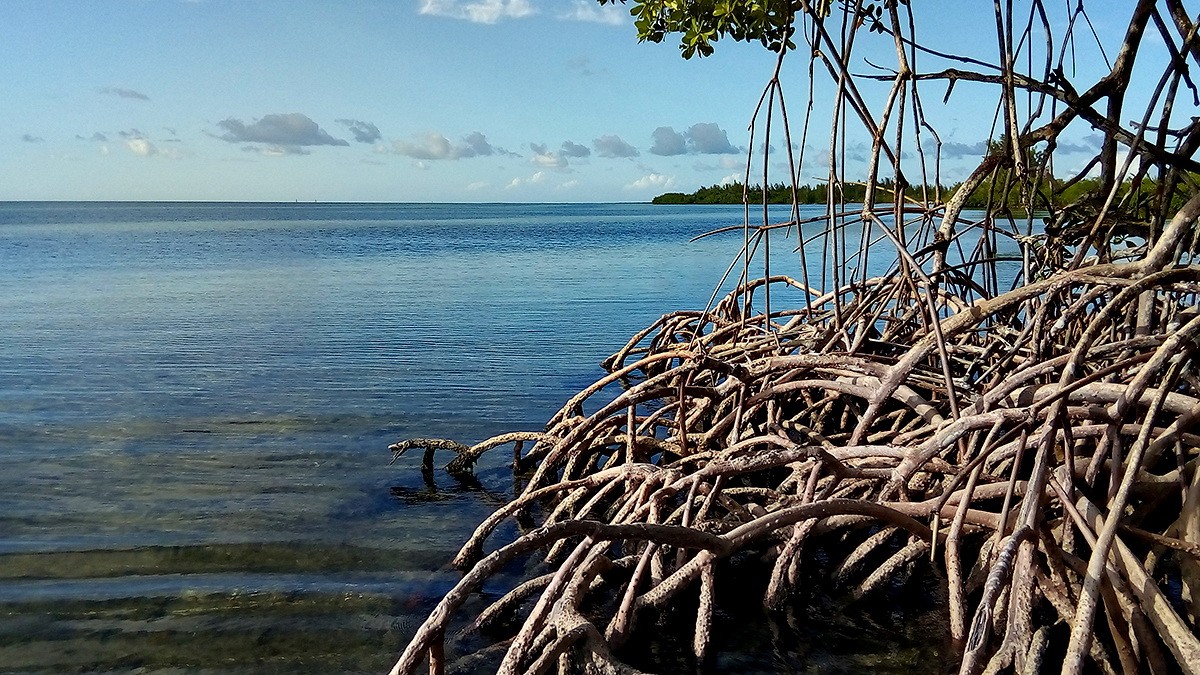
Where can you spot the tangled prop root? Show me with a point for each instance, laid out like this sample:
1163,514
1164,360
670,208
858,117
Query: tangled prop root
1038,448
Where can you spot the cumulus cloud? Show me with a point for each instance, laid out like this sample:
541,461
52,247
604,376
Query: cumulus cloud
1089,145
30,138
363,132
141,147
280,133
589,10
709,139
544,156
558,159
478,11
124,93
668,142
570,149
612,146
517,182
429,146
652,180
703,138
137,143
956,150
435,146
477,186
479,143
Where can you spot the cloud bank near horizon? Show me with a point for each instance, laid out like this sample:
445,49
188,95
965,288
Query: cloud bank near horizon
433,146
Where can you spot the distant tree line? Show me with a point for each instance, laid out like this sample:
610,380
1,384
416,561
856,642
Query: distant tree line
997,192
777,193
781,193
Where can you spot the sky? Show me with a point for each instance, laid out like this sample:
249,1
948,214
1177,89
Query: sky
399,101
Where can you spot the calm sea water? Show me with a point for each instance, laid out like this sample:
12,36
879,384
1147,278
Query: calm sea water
196,399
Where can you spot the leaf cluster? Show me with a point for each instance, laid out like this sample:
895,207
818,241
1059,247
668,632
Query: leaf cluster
769,22
703,22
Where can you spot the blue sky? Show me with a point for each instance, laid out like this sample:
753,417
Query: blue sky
373,100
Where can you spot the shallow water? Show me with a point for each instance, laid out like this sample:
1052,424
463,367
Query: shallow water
196,399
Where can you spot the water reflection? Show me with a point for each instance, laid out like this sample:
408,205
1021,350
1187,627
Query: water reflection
196,400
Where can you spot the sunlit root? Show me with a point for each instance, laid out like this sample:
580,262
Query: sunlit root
693,458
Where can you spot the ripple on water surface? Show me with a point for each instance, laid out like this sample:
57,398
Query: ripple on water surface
196,400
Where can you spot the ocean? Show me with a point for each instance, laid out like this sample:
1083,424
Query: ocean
196,401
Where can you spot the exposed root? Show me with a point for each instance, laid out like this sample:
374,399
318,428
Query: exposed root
773,444
1037,447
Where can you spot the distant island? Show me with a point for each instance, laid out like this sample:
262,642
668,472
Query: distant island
781,193
731,193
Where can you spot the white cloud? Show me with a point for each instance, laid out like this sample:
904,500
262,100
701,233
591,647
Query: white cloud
589,10
478,11
612,146
138,144
543,156
652,180
434,146
536,178
141,147
558,159
731,179
569,185
430,146
477,186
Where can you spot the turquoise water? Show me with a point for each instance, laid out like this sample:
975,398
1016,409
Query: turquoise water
196,399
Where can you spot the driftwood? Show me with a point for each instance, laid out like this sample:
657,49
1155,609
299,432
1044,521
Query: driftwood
1037,446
